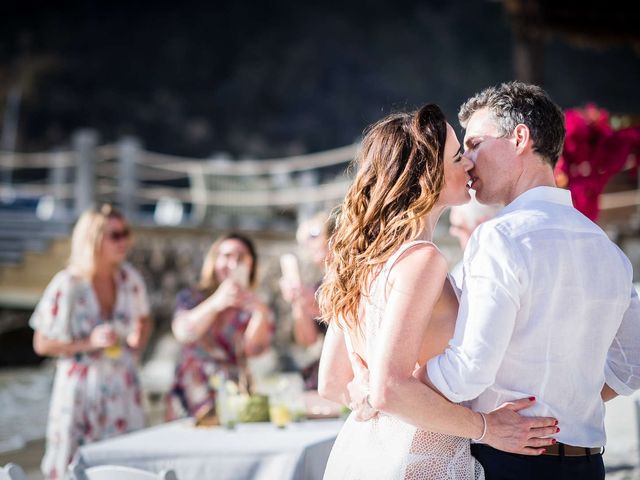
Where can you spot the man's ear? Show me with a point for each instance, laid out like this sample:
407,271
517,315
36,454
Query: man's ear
522,136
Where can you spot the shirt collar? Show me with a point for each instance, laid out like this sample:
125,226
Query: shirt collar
556,195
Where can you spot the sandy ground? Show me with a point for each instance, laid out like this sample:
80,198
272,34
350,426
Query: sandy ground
621,455
29,457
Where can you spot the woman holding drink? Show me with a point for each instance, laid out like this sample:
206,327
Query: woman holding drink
94,318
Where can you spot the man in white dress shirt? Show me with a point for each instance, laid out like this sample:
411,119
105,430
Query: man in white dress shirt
548,306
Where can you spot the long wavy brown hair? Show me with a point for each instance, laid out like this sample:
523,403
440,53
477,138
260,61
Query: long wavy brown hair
399,179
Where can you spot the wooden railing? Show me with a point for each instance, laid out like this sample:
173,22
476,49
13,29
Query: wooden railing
153,187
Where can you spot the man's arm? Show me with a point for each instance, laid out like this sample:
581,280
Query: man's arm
416,283
622,370
486,318
415,286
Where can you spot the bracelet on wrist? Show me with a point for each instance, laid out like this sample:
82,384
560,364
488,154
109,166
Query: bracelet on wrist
484,428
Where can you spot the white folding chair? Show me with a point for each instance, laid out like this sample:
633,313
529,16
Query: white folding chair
11,471
113,472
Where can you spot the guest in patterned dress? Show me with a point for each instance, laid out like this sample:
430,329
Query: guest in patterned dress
220,323
94,318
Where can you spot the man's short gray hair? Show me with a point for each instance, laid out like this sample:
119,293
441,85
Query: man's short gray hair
516,103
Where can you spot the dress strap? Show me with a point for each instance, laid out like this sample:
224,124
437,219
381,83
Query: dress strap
384,273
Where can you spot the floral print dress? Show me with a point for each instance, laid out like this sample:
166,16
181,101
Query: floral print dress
214,353
95,395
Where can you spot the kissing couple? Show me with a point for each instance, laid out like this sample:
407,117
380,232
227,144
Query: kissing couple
505,378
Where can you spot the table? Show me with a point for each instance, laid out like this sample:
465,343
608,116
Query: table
257,451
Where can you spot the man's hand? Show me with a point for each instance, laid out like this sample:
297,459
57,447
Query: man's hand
511,432
359,390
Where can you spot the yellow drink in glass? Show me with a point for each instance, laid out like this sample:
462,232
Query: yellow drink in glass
113,352
280,415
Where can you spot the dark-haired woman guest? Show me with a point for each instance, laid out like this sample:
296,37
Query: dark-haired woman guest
219,323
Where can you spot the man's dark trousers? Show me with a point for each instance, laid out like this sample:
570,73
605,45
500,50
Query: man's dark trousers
500,465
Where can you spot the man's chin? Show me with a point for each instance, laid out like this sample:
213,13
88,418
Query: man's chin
478,195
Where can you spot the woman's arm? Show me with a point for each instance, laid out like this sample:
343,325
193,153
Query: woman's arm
101,336
47,347
189,326
257,336
140,336
305,310
416,284
335,370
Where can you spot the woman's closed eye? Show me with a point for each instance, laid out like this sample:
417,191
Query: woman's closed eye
458,155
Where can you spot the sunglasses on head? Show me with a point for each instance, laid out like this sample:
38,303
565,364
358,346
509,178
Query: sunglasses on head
117,235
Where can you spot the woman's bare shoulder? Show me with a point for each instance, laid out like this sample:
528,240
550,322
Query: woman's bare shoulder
419,263
421,255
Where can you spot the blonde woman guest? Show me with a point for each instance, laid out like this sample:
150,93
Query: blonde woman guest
219,323
387,298
94,318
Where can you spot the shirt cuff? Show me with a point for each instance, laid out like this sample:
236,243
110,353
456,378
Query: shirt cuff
438,380
614,382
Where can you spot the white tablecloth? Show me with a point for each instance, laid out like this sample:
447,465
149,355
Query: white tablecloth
257,451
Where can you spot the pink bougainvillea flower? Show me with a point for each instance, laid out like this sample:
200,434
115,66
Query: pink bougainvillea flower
593,152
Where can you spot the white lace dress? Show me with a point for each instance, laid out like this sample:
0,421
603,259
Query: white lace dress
386,447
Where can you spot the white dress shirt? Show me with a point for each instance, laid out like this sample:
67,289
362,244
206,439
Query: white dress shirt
548,309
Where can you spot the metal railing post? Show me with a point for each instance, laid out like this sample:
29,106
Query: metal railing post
128,157
84,144
8,141
58,176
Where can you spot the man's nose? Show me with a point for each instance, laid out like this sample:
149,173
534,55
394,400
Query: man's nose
468,162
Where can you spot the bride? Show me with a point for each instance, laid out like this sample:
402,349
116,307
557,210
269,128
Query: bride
390,307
